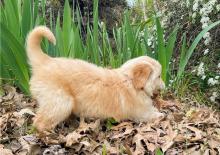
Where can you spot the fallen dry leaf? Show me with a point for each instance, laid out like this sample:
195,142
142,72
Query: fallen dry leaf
178,117
5,151
10,92
139,149
162,104
87,127
110,149
73,138
30,145
195,150
122,125
26,111
214,143
198,133
55,149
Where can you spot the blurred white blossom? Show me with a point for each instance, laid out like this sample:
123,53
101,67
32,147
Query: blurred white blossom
204,19
201,70
187,3
131,3
218,7
207,38
212,81
141,34
214,96
203,77
194,15
206,51
195,6
149,41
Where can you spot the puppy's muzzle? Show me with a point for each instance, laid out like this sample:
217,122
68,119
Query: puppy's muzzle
158,90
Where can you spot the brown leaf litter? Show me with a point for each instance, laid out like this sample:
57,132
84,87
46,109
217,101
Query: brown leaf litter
185,129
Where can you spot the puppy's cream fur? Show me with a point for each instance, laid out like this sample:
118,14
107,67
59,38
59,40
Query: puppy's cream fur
63,86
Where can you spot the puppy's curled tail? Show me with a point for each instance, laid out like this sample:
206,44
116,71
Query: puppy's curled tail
35,54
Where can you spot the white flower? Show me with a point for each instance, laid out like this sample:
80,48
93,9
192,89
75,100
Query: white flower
131,3
204,25
218,7
212,2
214,96
152,46
212,82
141,34
194,15
187,3
207,41
175,1
206,9
218,65
206,51
203,77
193,71
201,70
202,11
206,35
149,42
195,6
204,19
217,77
207,38
102,24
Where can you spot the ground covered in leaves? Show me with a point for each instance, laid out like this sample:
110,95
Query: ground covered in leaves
187,128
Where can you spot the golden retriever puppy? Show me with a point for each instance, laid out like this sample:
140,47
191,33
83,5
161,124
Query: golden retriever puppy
63,86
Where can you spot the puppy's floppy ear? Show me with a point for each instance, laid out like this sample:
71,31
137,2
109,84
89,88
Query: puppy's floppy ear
141,73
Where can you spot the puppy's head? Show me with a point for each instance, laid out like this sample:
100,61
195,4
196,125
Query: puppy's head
146,74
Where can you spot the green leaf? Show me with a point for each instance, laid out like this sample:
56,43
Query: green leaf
129,34
27,21
170,45
11,54
104,150
161,49
66,27
158,152
12,16
35,13
95,32
183,51
110,122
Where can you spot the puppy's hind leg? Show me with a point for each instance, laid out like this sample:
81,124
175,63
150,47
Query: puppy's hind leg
54,107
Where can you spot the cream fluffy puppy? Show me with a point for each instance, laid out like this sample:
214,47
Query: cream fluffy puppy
63,86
